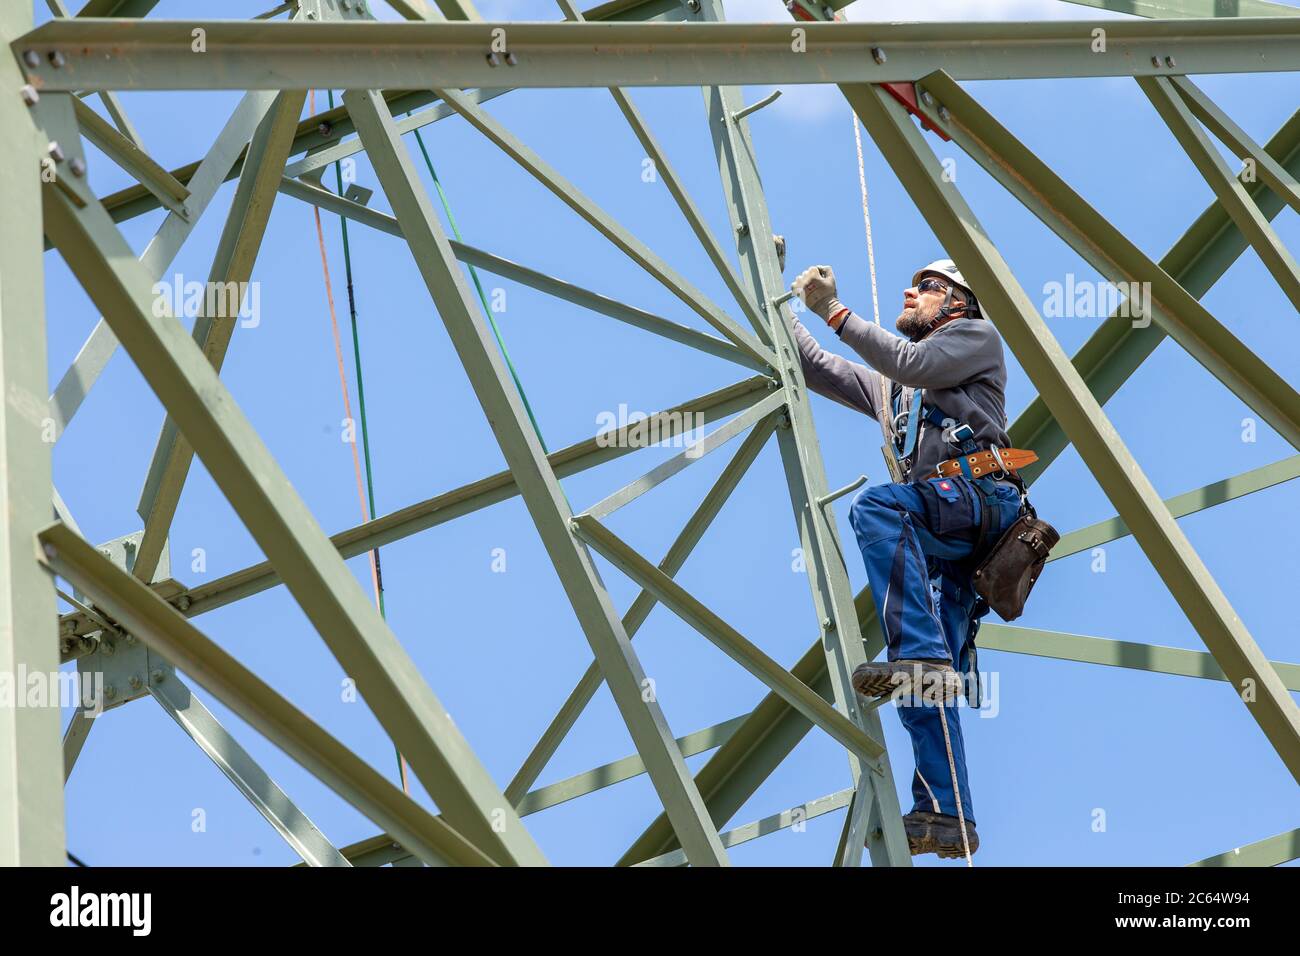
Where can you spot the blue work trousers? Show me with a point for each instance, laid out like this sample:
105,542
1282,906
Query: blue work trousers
917,539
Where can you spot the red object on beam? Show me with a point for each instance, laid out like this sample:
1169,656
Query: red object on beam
905,93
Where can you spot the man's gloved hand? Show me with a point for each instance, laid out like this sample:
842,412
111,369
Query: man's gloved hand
816,287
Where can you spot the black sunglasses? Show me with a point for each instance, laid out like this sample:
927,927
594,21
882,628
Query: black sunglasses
931,285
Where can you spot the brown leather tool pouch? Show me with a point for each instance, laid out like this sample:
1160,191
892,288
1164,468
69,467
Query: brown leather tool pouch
1008,572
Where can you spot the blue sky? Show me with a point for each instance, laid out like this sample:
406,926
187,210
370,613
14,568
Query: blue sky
1176,764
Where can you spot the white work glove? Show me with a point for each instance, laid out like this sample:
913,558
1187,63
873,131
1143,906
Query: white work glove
816,287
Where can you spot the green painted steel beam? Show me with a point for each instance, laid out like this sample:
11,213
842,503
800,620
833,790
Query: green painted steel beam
107,97
377,850
607,226
232,267
382,847
598,778
1268,169
135,161
135,55
664,170
532,278
150,619
1274,851
640,608
74,739
538,484
31,781
768,825
1205,156
727,639
1116,257
768,409
1189,581
320,135
202,727
1060,646
1207,496
321,132
1117,349
203,182
1180,9
240,464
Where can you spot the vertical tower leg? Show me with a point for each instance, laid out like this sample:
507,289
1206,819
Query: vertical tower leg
31,759
875,811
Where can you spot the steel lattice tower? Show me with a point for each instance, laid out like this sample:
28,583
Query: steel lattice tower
134,624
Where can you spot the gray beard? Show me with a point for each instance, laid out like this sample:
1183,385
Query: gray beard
912,324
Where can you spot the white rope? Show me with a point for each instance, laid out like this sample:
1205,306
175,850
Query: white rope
952,768
866,216
886,419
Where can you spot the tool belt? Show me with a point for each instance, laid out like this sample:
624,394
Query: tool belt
1006,574
989,463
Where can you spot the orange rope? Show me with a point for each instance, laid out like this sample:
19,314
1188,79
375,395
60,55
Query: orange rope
347,410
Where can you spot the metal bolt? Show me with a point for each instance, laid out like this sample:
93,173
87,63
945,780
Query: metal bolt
1155,61
574,526
944,114
29,94
56,152
742,230
110,692
511,59
78,166
31,58
325,129
68,626
65,647
878,54
57,59
927,99
1169,62
828,624
156,675
130,640
493,59
107,648
183,602
135,682
694,6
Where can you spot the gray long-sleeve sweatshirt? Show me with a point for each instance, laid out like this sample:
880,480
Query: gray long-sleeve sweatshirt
960,366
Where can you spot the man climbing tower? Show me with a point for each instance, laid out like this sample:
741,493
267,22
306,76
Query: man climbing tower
938,392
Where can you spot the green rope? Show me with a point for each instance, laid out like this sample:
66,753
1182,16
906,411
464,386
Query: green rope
361,401
361,387
446,208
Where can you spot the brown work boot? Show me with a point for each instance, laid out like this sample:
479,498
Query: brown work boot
938,833
907,678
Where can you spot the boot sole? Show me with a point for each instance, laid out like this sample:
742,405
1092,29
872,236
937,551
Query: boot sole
885,684
946,847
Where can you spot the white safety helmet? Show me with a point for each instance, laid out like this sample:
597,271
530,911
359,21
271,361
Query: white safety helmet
947,269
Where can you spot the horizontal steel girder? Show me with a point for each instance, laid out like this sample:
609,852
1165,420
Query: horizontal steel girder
158,55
